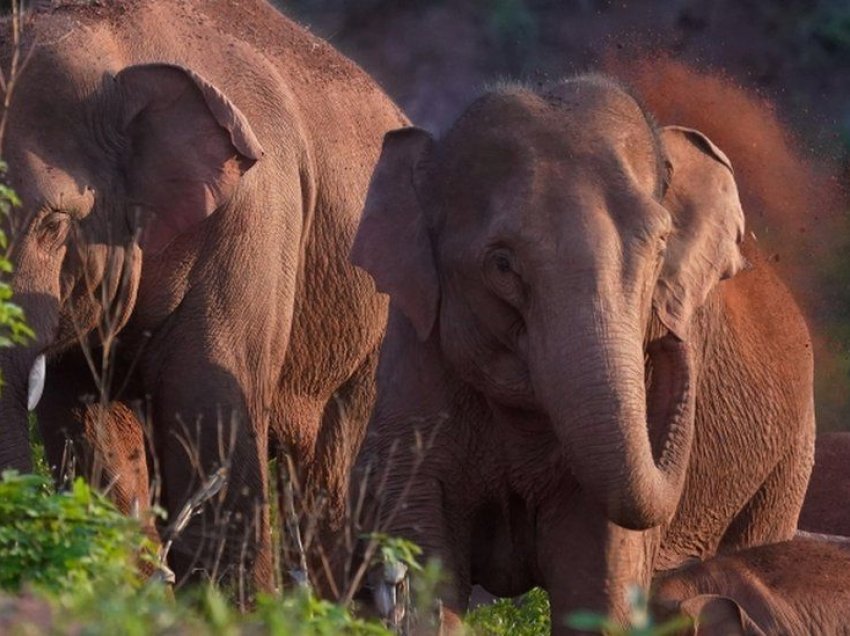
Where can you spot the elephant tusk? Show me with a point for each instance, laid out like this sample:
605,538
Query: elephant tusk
385,599
35,388
386,593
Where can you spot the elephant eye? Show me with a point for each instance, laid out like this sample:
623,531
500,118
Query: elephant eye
53,228
503,263
502,276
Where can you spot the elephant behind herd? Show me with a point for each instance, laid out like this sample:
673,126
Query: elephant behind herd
589,373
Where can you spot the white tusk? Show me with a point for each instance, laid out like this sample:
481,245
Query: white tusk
36,382
385,598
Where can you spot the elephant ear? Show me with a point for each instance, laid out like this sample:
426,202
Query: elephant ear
715,615
187,147
708,226
393,242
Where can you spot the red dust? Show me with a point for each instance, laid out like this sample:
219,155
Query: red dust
795,204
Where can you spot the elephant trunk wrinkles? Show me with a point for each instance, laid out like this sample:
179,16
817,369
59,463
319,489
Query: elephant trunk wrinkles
604,419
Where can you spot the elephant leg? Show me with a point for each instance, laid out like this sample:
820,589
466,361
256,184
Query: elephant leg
588,563
203,427
343,426
771,515
442,531
294,429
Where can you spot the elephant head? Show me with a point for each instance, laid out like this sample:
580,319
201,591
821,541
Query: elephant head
112,167
549,242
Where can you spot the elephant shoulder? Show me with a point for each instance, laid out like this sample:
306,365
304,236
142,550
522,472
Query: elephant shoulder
758,303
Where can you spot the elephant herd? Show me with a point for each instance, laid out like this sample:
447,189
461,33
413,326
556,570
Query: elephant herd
542,345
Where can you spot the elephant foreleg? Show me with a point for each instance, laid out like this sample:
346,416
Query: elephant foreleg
588,563
202,429
342,428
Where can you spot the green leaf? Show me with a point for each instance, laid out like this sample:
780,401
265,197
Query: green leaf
588,621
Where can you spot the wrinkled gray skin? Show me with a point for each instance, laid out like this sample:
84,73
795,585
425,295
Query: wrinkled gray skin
588,374
241,147
793,588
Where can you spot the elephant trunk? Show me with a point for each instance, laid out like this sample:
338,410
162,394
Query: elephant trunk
604,419
23,369
16,364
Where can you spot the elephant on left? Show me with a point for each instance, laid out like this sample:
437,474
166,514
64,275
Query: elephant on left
192,173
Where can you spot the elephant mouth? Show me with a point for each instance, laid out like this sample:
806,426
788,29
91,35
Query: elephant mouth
668,394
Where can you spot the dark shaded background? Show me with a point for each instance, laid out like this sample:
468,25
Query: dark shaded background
434,56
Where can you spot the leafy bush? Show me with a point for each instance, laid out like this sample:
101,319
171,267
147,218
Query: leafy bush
529,616
302,613
79,554
62,541
206,611
13,327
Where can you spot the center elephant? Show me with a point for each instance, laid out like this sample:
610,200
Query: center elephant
192,174
590,373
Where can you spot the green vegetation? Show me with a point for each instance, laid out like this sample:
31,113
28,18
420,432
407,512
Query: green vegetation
61,541
528,616
394,551
13,326
77,554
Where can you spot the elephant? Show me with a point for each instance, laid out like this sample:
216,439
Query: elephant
793,588
589,373
192,174
826,508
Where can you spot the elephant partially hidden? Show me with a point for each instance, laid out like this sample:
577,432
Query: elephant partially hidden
794,588
238,149
589,372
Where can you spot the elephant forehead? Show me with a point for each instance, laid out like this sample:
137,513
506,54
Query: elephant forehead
51,147
509,187
505,137
40,183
